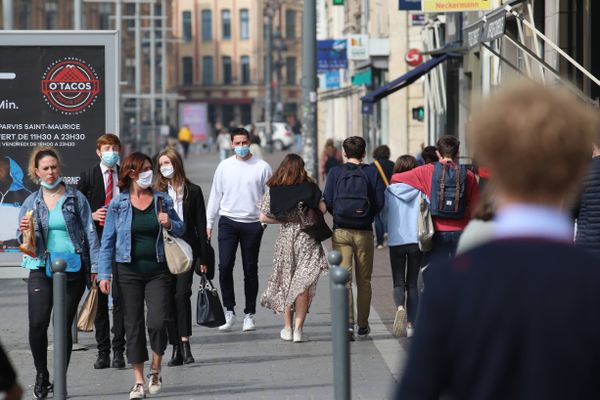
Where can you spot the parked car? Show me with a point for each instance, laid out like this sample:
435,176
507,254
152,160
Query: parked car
282,136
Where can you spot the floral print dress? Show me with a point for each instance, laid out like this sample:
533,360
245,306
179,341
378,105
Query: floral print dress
298,262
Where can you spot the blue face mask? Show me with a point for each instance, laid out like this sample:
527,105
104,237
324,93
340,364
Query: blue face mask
51,186
242,151
110,158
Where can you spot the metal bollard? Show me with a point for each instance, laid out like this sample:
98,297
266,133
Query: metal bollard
338,277
59,286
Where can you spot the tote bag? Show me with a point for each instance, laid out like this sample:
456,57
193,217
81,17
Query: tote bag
209,311
425,229
87,315
178,253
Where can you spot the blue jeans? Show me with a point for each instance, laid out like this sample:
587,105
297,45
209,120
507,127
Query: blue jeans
248,236
298,143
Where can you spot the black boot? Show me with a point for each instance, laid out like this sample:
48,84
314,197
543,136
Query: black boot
40,389
188,358
103,360
118,359
177,357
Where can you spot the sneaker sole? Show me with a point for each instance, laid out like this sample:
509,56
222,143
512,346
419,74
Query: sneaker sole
399,328
248,329
225,329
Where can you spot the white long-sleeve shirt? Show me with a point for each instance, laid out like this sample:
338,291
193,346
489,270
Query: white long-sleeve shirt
237,188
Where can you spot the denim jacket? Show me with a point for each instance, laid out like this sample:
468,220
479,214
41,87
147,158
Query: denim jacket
80,227
115,245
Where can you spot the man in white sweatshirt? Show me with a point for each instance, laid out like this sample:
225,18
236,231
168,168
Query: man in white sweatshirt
238,185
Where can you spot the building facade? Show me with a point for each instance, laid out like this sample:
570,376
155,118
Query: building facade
220,57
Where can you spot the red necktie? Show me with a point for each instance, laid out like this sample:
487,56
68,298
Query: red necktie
109,187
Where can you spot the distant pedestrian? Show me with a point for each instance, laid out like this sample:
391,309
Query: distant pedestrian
224,143
64,228
99,185
185,139
587,210
238,185
385,167
8,379
331,157
452,191
354,196
255,147
133,239
517,318
188,202
299,259
429,155
402,203
297,131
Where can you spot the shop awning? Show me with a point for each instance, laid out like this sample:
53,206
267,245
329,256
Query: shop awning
373,97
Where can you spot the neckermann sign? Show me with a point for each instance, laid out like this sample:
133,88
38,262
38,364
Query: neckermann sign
58,89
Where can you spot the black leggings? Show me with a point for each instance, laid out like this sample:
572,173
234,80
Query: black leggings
39,293
180,321
406,262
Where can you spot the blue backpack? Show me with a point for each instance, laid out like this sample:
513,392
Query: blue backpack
448,191
351,204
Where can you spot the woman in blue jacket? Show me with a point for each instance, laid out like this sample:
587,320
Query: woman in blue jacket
133,240
63,225
402,203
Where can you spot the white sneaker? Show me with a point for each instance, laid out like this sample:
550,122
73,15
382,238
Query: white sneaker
229,321
399,328
137,391
299,336
286,334
155,383
249,323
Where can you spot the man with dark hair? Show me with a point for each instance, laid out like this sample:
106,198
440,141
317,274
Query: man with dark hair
238,185
99,185
438,180
429,155
354,196
385,167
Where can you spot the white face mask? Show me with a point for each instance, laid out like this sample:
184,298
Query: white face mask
167,171
144,179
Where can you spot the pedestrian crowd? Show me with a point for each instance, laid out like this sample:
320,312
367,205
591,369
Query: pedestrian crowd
498,301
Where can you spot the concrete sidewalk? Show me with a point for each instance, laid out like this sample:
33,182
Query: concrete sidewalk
249,365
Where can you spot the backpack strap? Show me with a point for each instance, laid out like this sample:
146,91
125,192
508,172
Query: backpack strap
457,192
442,187
381,173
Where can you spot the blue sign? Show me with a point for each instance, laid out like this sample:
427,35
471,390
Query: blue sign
332,54
332,79
410,5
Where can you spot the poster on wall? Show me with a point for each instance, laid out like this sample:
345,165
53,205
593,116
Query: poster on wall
332,54
195,116
51,96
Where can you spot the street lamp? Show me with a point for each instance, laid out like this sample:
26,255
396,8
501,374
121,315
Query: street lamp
271,7
279,47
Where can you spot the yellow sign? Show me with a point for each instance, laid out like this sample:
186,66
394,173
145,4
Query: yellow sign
455,5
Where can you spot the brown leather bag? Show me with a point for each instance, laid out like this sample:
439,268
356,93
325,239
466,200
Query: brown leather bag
313,223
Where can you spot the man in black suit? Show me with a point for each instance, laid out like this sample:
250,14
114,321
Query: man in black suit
99,185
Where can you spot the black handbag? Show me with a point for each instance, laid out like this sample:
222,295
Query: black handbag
209,311
313,224
210,262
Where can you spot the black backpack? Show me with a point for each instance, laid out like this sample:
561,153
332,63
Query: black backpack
448,190
351,204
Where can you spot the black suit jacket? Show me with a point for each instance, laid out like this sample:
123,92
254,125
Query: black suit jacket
194,218
91,184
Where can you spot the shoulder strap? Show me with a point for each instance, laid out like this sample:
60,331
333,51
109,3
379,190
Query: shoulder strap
381,173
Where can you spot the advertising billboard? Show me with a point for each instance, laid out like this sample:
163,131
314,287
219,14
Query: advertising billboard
57,89
444,6
195,116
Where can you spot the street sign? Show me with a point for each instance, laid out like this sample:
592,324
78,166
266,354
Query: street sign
59,89
414,57
456,5
417,19
358,47
338,2
472,35
409,5
363,77
494,26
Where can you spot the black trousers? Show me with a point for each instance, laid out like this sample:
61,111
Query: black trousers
406,262
39,295
102,322
155,291
180,323
248,236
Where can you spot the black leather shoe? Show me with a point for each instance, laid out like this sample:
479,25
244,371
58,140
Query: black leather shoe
103,361
177,357
188,358
40,389
118,360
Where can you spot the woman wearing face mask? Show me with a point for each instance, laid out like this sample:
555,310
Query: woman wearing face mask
133,239
63,229
189,205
